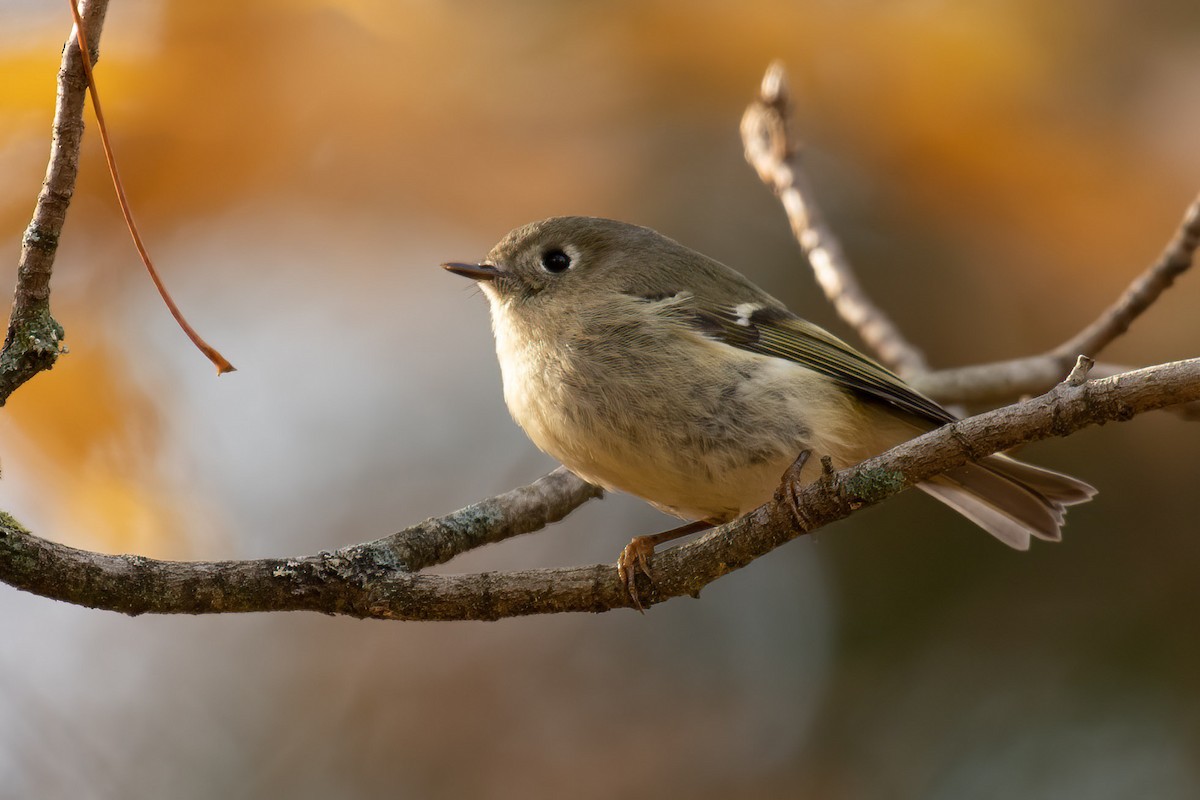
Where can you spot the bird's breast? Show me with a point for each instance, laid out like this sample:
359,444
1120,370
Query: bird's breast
698,428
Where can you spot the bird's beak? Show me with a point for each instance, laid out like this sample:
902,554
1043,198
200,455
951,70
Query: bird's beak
477,272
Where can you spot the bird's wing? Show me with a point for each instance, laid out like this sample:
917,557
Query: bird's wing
774,331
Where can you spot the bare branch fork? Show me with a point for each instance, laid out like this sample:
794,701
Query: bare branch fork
772,150
384,579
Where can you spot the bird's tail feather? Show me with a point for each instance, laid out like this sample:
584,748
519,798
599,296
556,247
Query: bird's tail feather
1010,499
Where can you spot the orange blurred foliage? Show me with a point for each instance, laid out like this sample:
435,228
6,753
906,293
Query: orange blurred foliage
93,437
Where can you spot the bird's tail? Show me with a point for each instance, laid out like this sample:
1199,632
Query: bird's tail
1009,499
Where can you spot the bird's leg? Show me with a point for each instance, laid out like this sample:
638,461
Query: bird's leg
790,486
640,550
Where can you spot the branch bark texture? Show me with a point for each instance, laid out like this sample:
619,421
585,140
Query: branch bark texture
378,579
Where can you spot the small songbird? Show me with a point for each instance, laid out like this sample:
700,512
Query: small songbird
647,367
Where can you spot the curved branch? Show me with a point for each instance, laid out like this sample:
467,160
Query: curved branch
369,581
34,338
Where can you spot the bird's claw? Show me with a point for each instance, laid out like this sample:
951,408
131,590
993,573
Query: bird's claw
791,487
636,556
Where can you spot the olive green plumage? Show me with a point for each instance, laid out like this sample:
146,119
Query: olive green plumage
647,367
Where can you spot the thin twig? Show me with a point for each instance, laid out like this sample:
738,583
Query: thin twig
524,510
210,352
366,580
1141,294
771,150
1079,373
34,339
1005,380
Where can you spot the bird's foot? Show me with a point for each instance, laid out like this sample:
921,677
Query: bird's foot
640,551
636,556
790,486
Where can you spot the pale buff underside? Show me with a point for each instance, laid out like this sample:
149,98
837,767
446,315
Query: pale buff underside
714,460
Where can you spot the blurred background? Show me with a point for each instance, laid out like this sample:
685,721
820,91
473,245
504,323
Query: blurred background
997,171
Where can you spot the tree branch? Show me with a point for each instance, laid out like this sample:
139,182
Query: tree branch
1005,380
524,510
34,338
771,150
1141,294
370,580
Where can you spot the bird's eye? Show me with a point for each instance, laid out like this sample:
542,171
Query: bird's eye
555,261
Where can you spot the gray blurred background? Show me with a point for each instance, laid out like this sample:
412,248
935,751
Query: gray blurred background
997,171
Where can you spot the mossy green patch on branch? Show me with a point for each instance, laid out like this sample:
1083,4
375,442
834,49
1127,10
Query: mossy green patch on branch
873,485
34,343
8,524
38,333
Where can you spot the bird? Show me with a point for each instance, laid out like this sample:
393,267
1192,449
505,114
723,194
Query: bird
646,367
